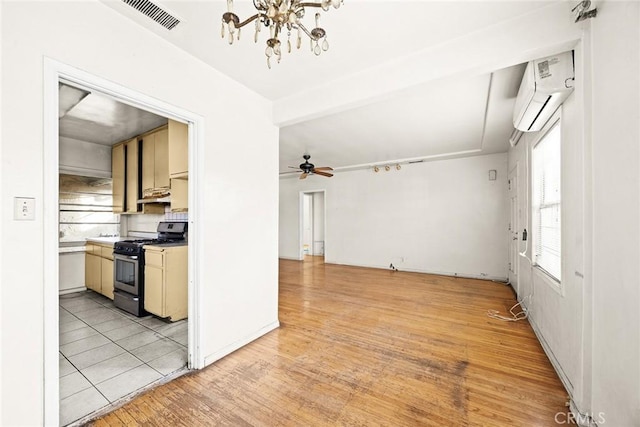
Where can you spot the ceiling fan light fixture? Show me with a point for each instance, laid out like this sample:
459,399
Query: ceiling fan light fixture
280,16
310,169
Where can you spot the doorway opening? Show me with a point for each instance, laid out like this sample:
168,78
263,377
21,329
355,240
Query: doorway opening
312,225
64,304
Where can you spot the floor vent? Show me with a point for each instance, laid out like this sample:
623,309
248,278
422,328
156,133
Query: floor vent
154,12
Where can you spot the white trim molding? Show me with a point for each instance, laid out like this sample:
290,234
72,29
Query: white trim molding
55,72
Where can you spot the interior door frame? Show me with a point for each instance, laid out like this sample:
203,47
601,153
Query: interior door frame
312,220
55,72
301,222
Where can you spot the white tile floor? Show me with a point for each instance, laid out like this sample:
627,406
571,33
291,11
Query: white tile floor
107,354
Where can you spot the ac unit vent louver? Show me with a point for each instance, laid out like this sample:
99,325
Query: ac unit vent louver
154,12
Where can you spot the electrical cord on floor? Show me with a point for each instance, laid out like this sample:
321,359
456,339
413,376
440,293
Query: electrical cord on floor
520,315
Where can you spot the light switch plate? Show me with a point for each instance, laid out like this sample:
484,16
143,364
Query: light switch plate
24,208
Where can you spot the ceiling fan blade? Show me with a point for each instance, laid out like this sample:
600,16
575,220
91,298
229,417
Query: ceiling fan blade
327,174
304,175
293,167
324,168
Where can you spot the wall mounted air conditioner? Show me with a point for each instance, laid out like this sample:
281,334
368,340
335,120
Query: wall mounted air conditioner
546,83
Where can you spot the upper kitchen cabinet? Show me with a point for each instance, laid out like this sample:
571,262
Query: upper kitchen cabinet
132,176
125,175
155,163
178,150
117,174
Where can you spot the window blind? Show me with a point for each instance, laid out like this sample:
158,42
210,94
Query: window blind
546,202
86,208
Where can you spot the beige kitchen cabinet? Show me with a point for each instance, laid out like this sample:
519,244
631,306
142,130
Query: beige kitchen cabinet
93,272
155,161
124,172
178,151
99,268
117,174
165,281
179,195
179,165
106,273
133,191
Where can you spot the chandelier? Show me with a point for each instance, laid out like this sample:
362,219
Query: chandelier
280,16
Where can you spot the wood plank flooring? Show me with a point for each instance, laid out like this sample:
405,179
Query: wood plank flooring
362,346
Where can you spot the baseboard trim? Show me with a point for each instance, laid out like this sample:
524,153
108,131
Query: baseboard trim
564,379
583,420
72,290
480,276
240,343
289,258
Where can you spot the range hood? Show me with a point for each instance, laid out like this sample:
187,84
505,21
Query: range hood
164,199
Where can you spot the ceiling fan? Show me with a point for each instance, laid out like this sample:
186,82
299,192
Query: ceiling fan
308,168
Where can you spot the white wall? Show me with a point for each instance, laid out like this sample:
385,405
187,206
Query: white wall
238,302
440,217
84,158
318,223
616,212
591,330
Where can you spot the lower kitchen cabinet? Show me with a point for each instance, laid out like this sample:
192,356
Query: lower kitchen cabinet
99,268
92,272
106,276
165,281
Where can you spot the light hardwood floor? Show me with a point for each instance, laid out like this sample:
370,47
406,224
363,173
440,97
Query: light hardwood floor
362,346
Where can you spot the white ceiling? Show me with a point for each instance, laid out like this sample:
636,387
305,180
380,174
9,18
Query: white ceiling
100,119
460,115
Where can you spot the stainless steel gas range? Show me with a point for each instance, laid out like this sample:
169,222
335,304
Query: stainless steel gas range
128,266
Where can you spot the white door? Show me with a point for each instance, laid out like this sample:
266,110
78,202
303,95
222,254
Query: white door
514,240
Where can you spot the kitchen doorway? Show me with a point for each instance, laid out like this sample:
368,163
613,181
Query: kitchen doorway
56,73
312,224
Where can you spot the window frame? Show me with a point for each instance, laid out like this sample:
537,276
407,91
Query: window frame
550,278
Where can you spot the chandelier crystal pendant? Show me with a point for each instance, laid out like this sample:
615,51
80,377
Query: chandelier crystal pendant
278,16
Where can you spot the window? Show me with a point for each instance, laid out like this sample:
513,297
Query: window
86,208
546,202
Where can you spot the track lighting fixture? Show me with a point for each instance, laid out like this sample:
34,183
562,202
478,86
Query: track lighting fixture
387,168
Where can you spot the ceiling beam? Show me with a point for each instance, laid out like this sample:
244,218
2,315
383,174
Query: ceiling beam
543,32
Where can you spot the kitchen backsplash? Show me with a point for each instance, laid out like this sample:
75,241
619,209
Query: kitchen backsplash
144,225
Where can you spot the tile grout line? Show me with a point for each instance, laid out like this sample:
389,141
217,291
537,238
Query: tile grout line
114,342
142,363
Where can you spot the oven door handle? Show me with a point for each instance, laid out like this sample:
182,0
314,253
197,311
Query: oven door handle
134,257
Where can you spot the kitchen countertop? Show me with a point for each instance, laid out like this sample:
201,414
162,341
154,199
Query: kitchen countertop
72,247
110,240
167,245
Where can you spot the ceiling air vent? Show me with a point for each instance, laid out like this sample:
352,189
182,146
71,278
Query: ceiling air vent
154,12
